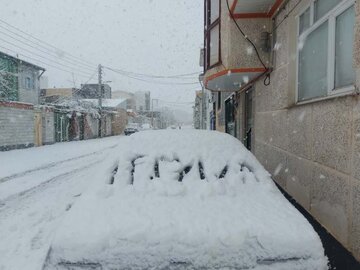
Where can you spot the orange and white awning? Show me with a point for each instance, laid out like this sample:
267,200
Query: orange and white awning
232,80
254,8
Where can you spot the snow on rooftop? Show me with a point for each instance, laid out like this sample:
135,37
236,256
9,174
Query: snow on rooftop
113,103
191,199
106,102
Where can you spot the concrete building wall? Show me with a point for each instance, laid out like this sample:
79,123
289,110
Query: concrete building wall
106,125
119,121
16,125
142,99
48,126
235,50
26,94
312,150
91,128
63,92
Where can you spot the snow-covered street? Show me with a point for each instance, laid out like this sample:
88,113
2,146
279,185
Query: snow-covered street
37,187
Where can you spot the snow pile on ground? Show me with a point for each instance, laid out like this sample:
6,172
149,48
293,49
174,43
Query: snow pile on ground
18,161
185,200
34,200
24,169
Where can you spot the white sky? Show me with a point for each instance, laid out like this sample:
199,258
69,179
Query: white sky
161,37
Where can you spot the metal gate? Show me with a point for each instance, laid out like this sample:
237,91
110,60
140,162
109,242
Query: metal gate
61,127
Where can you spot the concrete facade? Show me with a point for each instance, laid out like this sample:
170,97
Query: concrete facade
142,100
26,93
235,50
19,80
16,126
197,110
48,126
119,121
91,129
91,91
312,150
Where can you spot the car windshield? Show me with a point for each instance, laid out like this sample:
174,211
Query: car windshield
180,134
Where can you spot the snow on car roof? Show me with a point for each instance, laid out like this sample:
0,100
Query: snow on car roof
187,198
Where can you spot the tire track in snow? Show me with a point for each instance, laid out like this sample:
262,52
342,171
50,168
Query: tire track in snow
51,165
43,185
29,219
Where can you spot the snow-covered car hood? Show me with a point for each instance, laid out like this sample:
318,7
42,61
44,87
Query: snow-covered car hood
184,200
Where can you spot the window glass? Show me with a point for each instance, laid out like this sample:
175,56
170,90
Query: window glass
214,45
215,9
313,64
304,21
206,14
28,83
344,72
219,100
321,7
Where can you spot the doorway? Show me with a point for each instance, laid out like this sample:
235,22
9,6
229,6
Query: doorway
230,123
249,120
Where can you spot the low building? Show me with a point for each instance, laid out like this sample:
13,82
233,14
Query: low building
142,99
22,122
293,98
56,95
19,80
129,97
91,91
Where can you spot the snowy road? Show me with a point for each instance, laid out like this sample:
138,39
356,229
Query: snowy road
35,197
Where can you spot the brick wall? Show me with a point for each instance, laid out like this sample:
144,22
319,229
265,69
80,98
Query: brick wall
16,125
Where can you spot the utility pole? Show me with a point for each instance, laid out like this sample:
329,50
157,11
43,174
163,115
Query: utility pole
152,111
203,104
100,97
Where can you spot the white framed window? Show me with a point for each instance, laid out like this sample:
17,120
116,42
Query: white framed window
325,49
29,84
212,33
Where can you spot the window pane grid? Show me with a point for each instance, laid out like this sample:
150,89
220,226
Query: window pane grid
212,33
344,73
335,74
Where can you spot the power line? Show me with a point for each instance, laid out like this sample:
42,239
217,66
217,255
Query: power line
286,16
176,102
77,90
149,81
245,36
38,46
38,55
37,60
180,76
45,52
43,42
267,77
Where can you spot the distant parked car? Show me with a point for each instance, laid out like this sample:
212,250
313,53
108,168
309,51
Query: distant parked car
129,131
184,200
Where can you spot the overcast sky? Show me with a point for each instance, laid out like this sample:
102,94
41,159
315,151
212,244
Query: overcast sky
160,37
